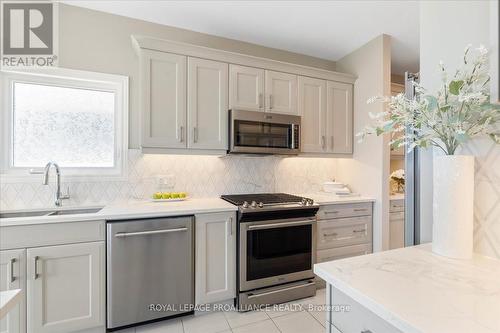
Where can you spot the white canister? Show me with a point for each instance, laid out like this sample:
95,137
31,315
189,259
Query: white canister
453,206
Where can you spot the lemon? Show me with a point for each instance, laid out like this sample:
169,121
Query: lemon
182,195
157,195
175,195
166,195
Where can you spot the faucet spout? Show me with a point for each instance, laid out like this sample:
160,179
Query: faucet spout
58,195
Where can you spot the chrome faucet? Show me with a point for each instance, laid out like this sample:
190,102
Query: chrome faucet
59,197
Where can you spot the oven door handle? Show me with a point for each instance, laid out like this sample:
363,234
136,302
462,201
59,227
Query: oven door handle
278,225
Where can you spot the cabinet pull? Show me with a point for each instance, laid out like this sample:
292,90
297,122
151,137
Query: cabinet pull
231,225
260,101
181,135
12,276
195,134
332,234
270,102
332,212
323,142
331,138
358,231
366,331
35,260
360,209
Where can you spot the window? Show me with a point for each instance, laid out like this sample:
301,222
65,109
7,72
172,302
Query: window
76,119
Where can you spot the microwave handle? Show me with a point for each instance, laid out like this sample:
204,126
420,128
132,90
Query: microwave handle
293,136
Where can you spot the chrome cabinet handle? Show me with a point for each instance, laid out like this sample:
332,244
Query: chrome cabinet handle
35,261
12,276
260,101
149,232
332,140
366,331
332,212
231,225
323,141
360,210
195,134
358,231
270,102
332,234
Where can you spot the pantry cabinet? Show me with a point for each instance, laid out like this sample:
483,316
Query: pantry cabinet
215,257
339,118
65,287
163,100
312,109
207,104
13,276
246,88
281,92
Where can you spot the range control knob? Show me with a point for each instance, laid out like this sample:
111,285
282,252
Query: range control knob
261,204
245,204
253,204
303,202
310,202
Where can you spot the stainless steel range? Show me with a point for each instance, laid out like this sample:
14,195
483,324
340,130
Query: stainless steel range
276,237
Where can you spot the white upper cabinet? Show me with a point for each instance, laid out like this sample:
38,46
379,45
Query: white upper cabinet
65,287
312,109
281,92
246,88
207,104
339,129
13,276
163,100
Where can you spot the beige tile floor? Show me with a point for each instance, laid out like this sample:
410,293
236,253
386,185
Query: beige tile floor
295,317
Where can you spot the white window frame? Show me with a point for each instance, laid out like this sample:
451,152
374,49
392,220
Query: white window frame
64,77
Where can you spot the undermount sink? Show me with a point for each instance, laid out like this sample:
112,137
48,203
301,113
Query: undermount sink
50,212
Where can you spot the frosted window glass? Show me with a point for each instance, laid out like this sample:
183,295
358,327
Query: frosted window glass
71,126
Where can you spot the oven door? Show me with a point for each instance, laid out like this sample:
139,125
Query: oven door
264,133
276,251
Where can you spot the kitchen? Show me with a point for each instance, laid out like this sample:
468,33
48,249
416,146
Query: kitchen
234,163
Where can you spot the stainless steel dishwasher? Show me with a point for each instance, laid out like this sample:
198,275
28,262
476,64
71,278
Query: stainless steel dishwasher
150,269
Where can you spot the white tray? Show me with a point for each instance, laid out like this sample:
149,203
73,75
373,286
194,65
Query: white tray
169,200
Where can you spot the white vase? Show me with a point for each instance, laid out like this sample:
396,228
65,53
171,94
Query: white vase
453,206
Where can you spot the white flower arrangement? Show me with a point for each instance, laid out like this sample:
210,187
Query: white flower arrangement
459,112
398,175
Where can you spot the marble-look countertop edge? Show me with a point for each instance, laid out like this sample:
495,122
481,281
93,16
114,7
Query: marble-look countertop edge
366,301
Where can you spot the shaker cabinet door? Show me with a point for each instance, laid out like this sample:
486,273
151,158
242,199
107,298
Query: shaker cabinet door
215,263
281,91
163,100
312,109
207,104
13,276
339,130
65,287
246,88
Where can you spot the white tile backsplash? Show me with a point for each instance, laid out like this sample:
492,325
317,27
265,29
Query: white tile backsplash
199,175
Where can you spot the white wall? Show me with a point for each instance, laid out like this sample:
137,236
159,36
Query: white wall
446,28
368,171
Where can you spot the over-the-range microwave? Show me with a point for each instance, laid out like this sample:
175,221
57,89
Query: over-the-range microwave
252,132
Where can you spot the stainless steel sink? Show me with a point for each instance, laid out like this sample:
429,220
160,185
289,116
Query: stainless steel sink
50,212
76,211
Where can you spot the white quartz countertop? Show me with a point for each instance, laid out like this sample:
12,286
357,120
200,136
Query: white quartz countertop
323,198
132,210
9,299
420,292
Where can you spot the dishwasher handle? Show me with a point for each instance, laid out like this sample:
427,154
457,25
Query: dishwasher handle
149,232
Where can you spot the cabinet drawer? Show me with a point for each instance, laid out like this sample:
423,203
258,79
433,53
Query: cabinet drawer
359,318
343,232
42,234
344,210
343,252
397,206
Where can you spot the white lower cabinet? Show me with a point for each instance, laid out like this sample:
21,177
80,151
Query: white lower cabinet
65,287
13,276
215,257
